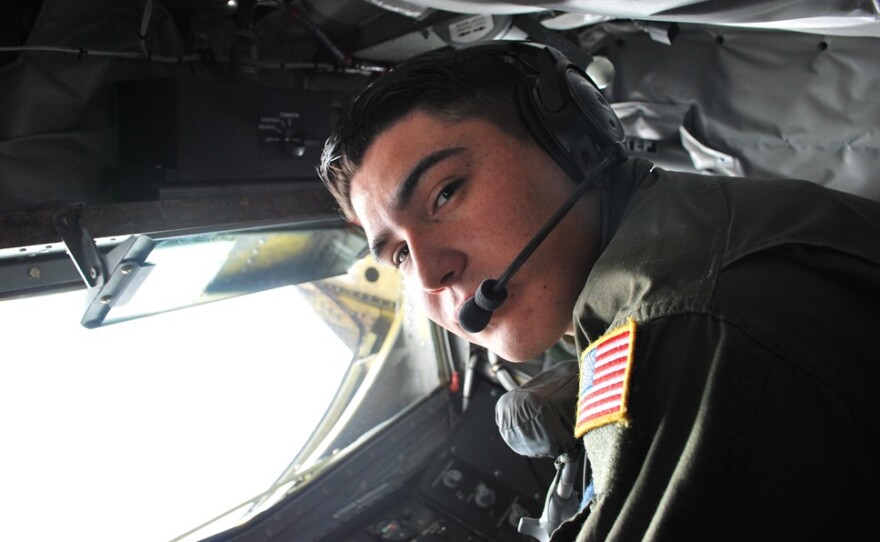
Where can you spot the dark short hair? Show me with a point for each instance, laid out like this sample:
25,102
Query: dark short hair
451,84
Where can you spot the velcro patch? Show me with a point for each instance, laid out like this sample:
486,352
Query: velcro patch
604,379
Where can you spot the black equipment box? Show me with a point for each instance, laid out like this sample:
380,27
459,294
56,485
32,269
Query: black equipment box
197,133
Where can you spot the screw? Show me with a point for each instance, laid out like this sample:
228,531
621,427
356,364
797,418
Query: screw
126,269
34,272
106,299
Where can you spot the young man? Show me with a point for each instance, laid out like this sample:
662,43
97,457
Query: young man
729,388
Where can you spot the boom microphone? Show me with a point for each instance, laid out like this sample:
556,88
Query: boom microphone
476,312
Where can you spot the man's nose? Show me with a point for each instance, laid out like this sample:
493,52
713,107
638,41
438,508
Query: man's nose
437,265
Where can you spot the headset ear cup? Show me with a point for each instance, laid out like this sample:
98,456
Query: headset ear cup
581,123
531,111
600,115
562,107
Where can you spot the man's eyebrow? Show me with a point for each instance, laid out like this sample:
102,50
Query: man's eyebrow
378,245
405,190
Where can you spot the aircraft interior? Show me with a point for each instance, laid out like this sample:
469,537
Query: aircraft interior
157,167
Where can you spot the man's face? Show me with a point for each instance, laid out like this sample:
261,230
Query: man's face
453,203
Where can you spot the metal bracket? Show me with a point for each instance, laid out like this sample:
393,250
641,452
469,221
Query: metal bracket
128,269
111,279
81,246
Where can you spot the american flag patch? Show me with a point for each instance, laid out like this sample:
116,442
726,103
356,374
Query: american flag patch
604,379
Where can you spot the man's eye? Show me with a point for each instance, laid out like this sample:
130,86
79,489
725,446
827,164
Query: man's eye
447,192
400,256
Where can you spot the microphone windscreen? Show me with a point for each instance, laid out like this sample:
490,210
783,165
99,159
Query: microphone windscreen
472,318
487,297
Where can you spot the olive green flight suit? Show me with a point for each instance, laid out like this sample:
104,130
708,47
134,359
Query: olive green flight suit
753,405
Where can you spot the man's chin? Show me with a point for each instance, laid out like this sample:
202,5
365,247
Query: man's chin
514,353
495,338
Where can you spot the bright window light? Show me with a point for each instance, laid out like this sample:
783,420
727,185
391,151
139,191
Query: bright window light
143,430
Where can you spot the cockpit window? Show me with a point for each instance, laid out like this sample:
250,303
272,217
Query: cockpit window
188,422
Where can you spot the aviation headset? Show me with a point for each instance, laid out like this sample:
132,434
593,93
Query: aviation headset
562,107
568,116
